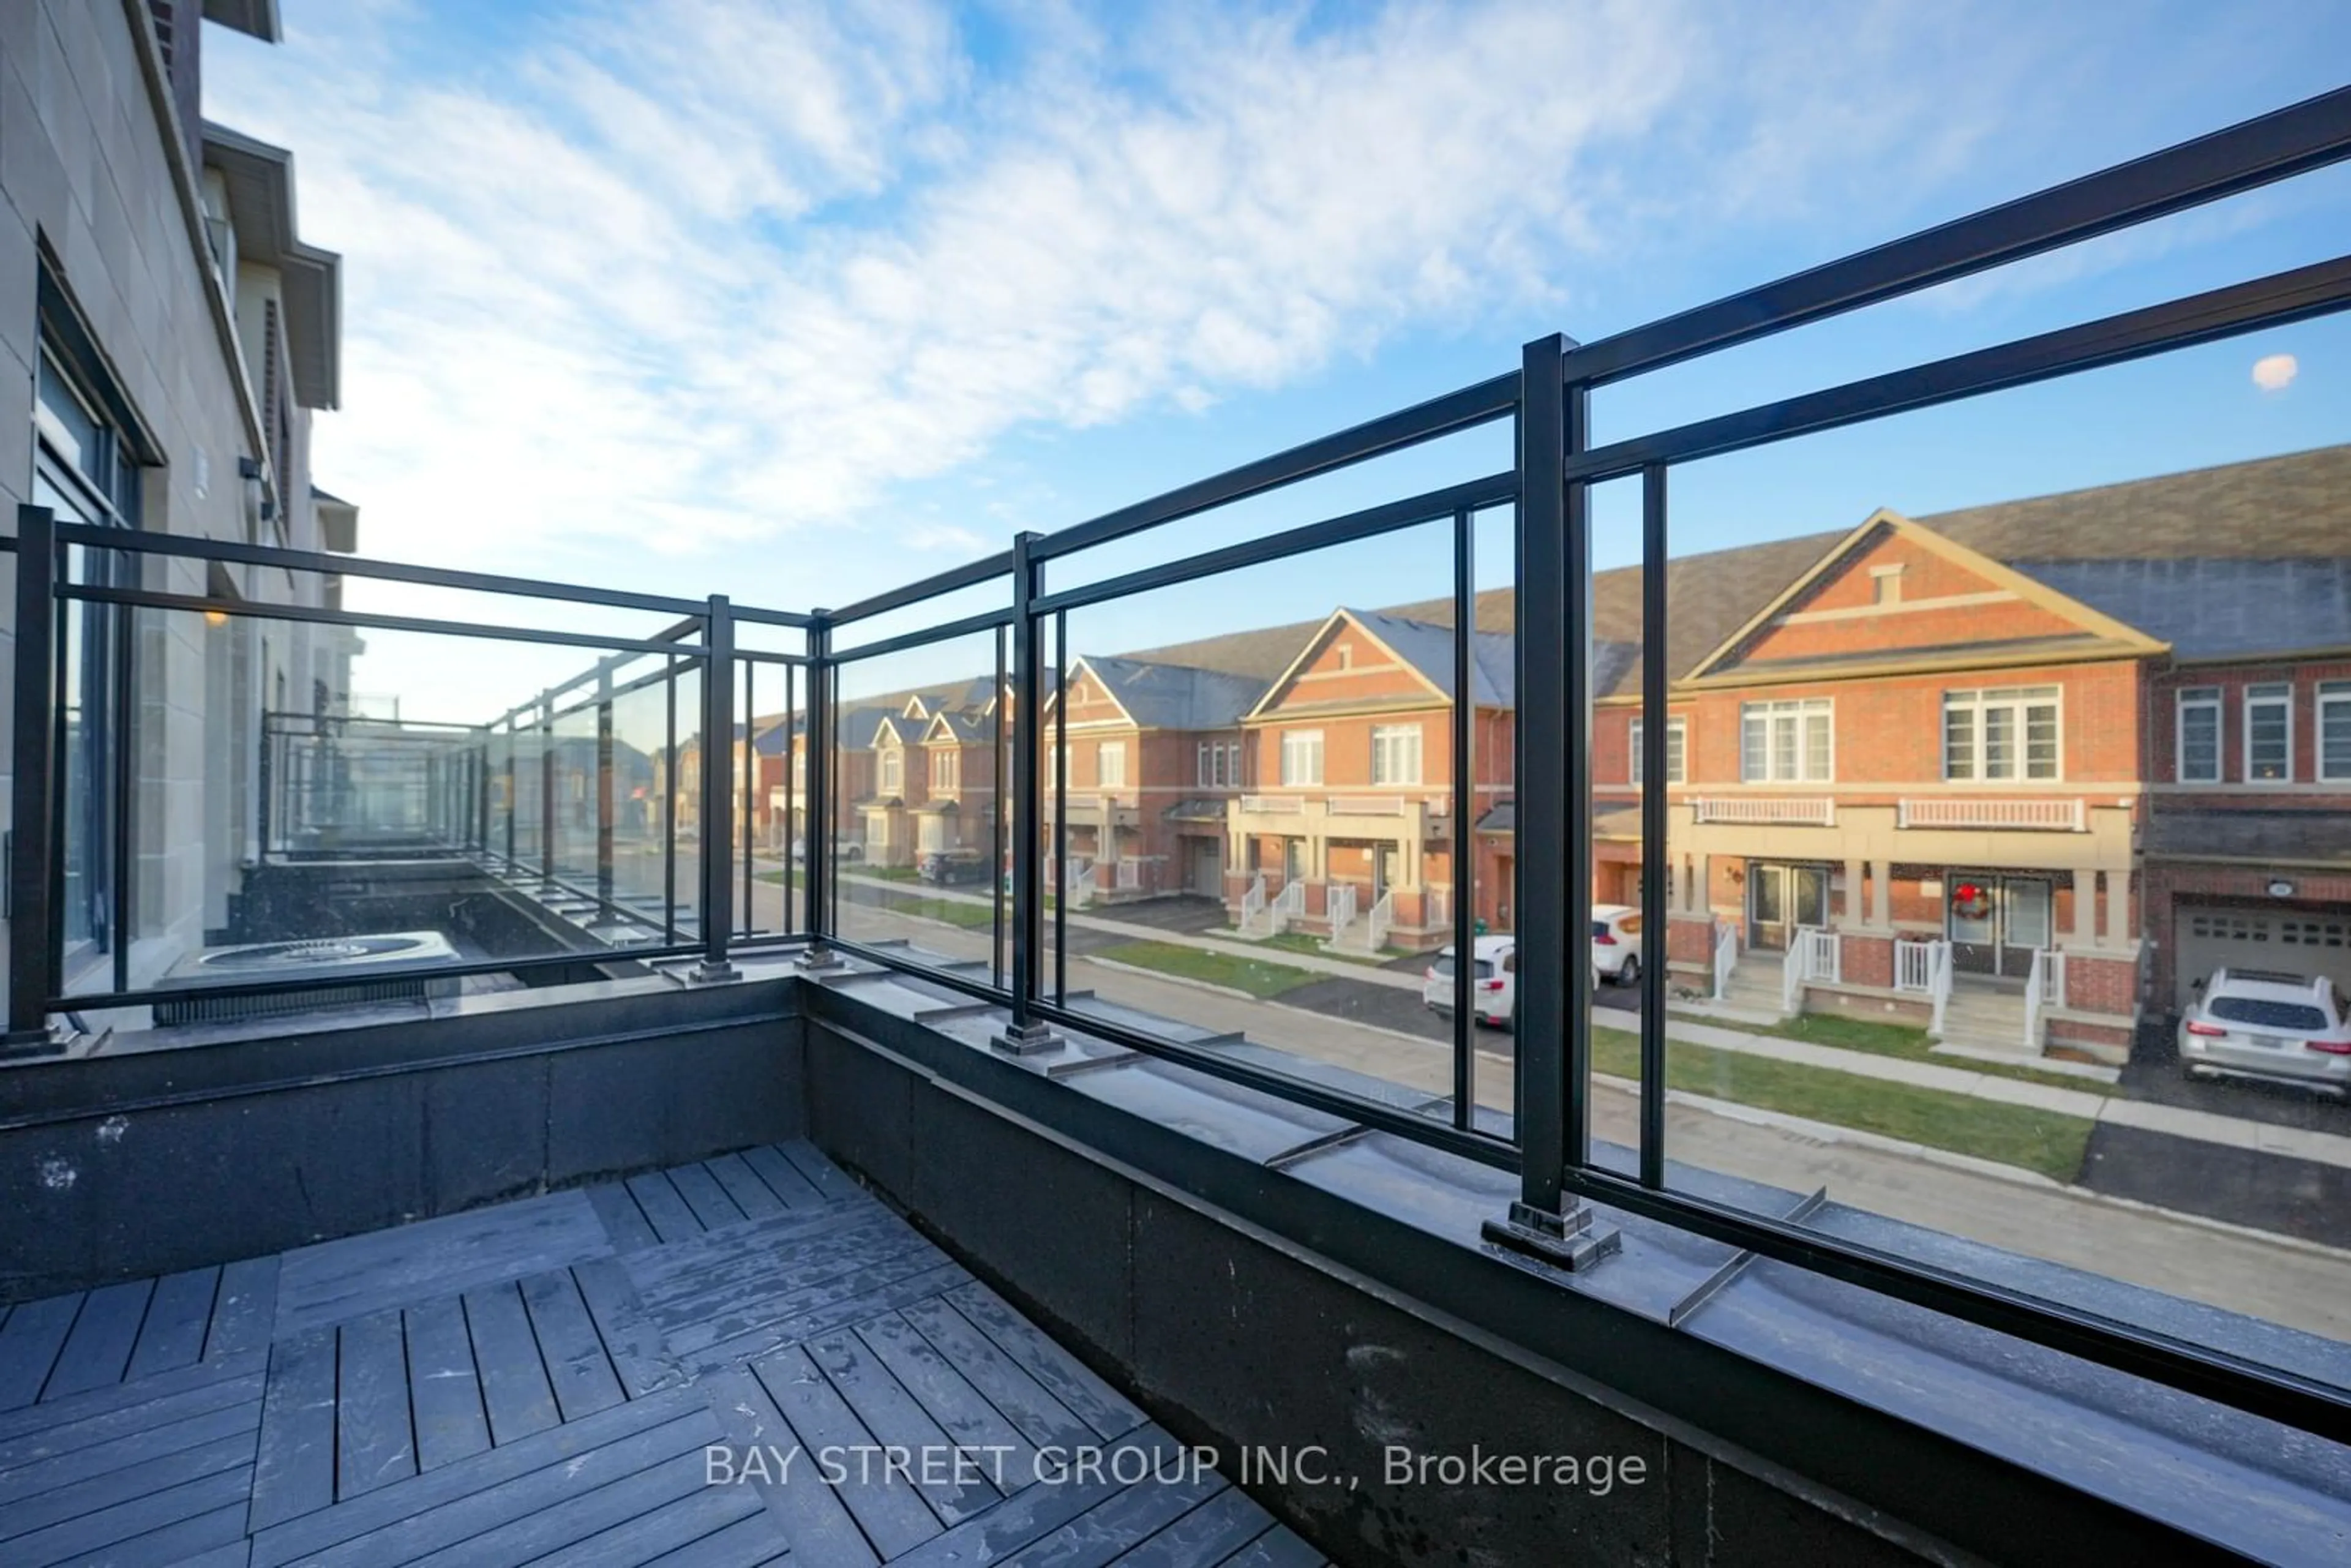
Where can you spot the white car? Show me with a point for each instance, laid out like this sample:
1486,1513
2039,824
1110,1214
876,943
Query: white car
1493,981
849,850
2260,1023
1616,943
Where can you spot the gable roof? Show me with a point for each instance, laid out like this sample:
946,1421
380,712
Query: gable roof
1158,696
2096,631
965,727
858,727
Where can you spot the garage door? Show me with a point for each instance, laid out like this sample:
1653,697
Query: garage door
2292,941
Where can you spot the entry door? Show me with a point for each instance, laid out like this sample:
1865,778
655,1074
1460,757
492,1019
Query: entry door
2023,923
1782,898
1209,867
1767,908
1999,931
1293,860
1383,869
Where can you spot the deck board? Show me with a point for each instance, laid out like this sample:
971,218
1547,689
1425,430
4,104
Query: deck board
177,1318
545,1381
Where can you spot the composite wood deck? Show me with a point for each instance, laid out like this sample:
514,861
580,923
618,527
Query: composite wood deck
544,1381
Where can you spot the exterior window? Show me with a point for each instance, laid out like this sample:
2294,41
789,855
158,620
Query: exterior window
2000,735
2269,734
946,770
1233,764
2198,743
1395,754
1677,742
1203,752
1110,764
2334,730
1220,765
1301,757
800,766
893,771
1786,742
85,473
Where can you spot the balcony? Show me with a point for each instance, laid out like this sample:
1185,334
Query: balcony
510,1257
1760,810
1994,813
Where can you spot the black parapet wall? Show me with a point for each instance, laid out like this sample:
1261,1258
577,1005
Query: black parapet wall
140,1162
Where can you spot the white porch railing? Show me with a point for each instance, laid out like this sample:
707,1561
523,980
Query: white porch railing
1726,956
2046,989
1812,955
1437,902
1993,812
1913,966
1289,904
1382,917
1253,909
1365,805
1340,905
1078,885
1288,805
1815,812
1939,982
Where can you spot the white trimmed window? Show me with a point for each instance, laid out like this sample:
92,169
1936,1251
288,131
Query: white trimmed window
1110,764
1676,743
2002,735
1395,754
946,771
1787,742
894,770
2269,734
1301,757
2198,745
1233,764
2334,730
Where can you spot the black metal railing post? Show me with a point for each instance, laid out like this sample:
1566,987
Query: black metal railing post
32,912
1465,819
1554,951
1656,919
817,838
718,808
607,807
546,774
1026,1034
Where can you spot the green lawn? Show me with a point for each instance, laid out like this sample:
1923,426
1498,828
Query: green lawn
793,878
970,916
1908,1042
1299,942
1255,977
2044,1141
879,873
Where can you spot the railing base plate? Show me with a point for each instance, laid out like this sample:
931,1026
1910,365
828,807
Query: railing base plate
1564,1240
1029,1039
817,957
709,974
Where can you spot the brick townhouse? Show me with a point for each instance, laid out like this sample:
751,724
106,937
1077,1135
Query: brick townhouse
1152,755
2026,771
2081,748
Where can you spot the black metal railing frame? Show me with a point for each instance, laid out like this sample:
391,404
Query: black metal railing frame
1555,467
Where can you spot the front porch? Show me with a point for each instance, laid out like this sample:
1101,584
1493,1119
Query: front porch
2004,964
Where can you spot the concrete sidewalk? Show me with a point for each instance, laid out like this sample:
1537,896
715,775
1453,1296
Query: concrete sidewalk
2201,1127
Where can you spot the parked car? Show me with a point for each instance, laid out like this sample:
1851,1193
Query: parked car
946,866
850,850
1616,943
1493,981
2260,1023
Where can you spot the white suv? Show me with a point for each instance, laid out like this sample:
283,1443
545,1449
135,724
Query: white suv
2258,1023
1616,943
1493,981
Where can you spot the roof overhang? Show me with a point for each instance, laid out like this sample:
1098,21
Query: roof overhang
254,18
338,522
260,180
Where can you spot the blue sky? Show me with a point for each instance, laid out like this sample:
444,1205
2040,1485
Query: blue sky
796,301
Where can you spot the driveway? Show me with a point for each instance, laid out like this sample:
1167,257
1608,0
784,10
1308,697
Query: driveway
2152,1074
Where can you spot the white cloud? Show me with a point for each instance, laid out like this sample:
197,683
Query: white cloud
2275,373
666,277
